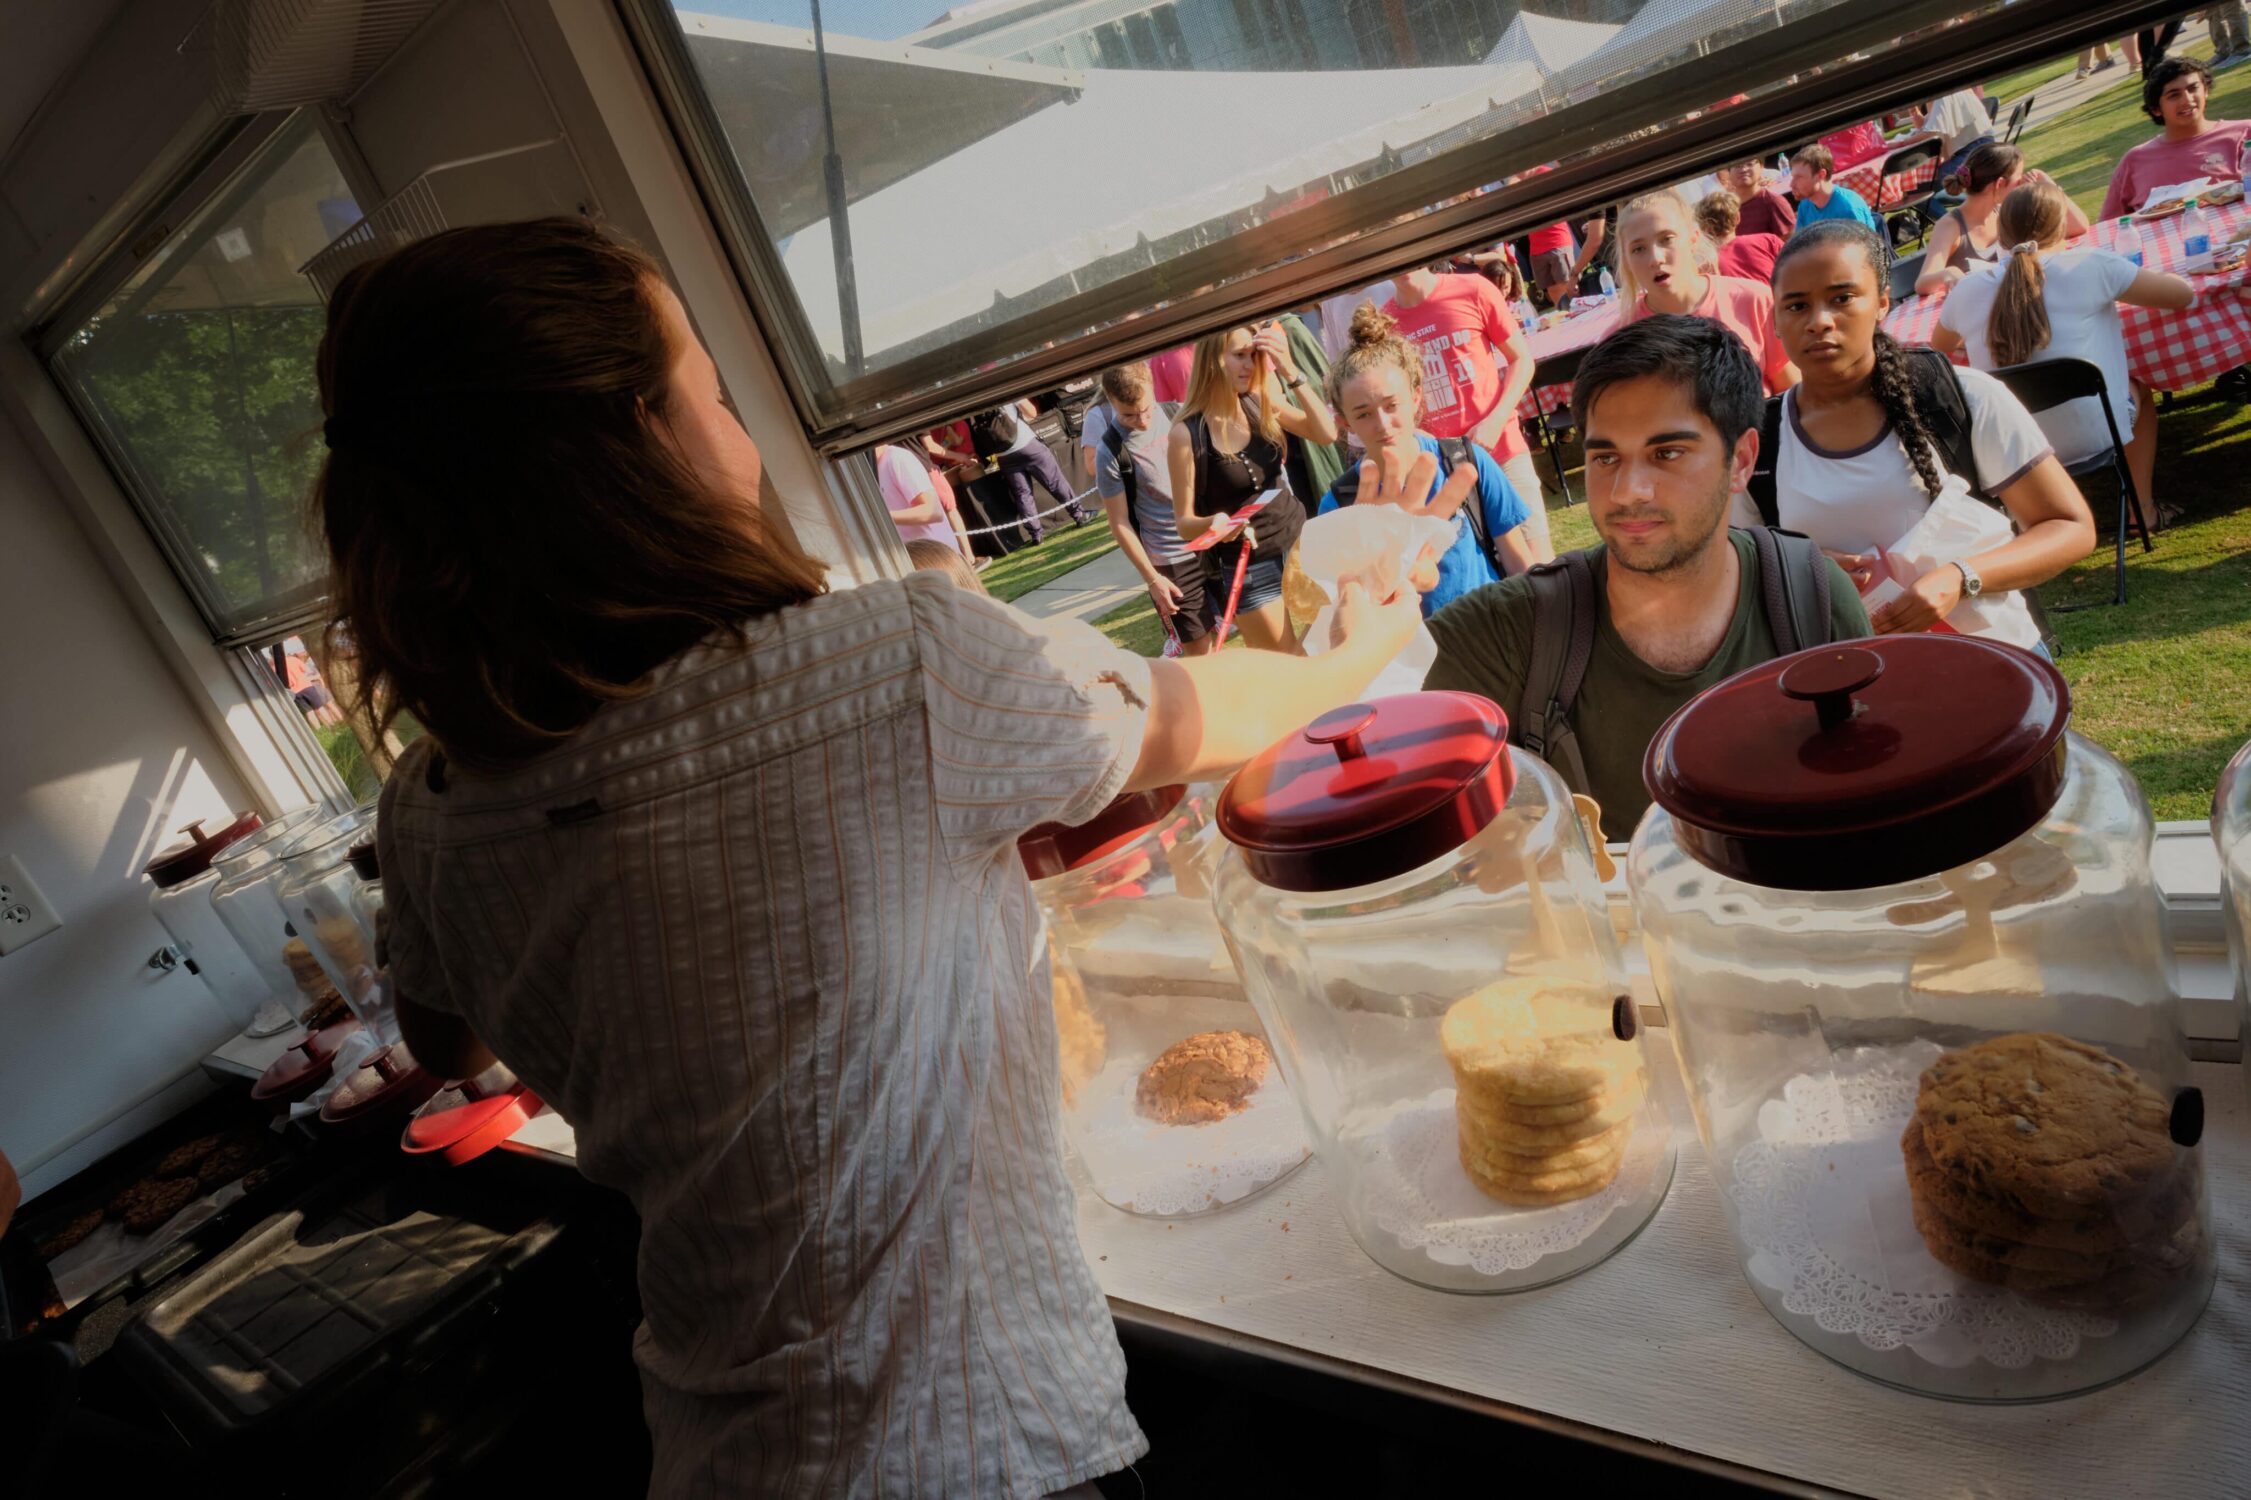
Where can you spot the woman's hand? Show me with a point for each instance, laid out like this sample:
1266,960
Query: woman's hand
1379,628
1271,342
1165,594
1858,567
1928,600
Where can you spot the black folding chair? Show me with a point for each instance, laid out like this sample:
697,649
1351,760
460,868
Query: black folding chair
1905,271
1560,369
1900,219
2044,384
2017,115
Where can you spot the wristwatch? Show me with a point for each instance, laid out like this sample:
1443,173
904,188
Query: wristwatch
1295,383
1972,585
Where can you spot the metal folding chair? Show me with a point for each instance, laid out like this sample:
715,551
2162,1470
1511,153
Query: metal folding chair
1905,272
1900,218
2044,384
1561,369
2017,116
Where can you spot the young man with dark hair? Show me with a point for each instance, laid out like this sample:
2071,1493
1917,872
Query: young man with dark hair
1811,171
2174,94
1590,654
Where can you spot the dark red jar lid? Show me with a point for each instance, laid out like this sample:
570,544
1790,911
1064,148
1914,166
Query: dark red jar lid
183,862
390,1082
1853,766
470,1116
305,1066
1370,790
1051,849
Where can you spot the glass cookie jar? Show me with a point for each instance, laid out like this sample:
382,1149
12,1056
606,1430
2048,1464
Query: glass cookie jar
1170,1095
241,894
1414,909
318,897
1912,958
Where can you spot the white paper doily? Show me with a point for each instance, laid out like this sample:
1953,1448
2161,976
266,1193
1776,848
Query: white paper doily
1174,1170
1415,1190
1821,1201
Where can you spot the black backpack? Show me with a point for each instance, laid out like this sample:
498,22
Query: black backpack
991,432
1793,589
1451,451
1113,443
1945,411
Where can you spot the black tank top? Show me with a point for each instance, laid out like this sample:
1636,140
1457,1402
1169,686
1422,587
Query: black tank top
1226,482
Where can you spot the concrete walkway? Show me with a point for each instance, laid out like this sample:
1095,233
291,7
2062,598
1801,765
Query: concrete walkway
1085,593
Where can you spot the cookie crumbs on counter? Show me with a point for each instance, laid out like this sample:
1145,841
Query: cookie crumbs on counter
1285,1226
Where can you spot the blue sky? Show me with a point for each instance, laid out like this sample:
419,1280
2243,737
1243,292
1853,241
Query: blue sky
881,19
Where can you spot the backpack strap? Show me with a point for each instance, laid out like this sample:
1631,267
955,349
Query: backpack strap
1563,627
1946,412
1793,588
1113,443
1453,452
1761,487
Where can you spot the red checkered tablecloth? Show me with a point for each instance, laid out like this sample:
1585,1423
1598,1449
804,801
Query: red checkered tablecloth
2167,351
1866,177
1580,332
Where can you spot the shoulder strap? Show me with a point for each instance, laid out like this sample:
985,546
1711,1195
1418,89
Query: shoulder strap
1346,487
1761,487
1454,451
1793,588
1563,627
1113,443
1946,412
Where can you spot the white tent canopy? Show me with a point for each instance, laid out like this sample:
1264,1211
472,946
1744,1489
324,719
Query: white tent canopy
1663,30
1549,43
1137,154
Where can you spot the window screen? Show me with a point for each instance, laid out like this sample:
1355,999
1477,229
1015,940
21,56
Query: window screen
196,377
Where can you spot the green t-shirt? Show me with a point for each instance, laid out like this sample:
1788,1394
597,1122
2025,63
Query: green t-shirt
1485,644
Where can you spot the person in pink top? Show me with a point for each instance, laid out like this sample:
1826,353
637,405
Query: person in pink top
1665,265
1168,373
1855,145
1750,256
1477,365
2174,95
919,507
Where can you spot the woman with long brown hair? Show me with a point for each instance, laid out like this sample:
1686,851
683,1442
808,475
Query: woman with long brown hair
723,864
2050,302
1230,446
1970,235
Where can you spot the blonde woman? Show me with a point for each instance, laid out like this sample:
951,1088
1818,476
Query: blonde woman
1666,265
1231,446
2047,302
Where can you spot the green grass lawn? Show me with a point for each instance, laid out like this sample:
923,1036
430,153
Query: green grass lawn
1065,547
2010,87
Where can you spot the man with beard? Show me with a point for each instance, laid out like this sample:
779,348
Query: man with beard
1590,654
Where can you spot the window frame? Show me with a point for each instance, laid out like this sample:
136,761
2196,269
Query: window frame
1266,267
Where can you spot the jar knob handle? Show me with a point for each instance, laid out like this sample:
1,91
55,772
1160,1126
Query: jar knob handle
1828,679
1340,729
2187,1123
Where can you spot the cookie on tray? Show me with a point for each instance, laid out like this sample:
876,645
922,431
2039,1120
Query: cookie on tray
1531,1041
181,1160
71,1235
1202,1079
231,1158
2154,1216
2046,1124
1478,1117
148,1203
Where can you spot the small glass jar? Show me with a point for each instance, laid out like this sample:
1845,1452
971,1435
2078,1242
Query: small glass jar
180,881
244,898
319,895
1413,906
264,995
1913,959
2231,830
1170,1095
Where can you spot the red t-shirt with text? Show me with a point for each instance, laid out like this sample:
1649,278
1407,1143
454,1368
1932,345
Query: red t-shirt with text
1457,328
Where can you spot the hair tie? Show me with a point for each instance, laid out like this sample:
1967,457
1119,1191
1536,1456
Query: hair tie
2025,247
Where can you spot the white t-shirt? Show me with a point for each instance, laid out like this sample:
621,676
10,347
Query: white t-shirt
2083,287
905,482
1868,498
1961,117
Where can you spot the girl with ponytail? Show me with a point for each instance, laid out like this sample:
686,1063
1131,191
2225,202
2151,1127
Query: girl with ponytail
1970,236
1377,385
1666,265
1865,440
2049,302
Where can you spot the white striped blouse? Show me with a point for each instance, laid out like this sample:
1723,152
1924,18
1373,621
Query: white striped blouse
761,936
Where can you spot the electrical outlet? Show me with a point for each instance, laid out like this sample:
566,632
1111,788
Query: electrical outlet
24,912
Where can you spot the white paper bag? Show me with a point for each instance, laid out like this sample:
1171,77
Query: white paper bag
1955,526
1375,546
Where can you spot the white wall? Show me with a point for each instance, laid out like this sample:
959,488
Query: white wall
102,757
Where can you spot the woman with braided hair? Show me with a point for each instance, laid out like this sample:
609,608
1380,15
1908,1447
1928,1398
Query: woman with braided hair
1858,461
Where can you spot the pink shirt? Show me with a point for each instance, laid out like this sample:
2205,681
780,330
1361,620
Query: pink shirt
1751,256
2216,154
1168,373
1855,145
1457,328
1745,309
906,482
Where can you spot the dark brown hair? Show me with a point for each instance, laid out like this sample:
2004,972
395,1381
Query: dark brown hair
1820,158
515,540
1376,346
2154,82
1127,383
2018,327
1984,167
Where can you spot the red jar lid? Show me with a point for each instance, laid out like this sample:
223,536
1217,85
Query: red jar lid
388,1084
1853,766
1052,849
305,1066
364,861
1370,790
183,862
470,1116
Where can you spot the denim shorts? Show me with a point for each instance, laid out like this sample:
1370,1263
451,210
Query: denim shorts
1262,582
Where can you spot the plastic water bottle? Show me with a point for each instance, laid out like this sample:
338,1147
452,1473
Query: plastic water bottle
2196,234
2129,242
1609,285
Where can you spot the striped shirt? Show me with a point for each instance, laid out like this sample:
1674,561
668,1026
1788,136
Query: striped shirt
761,935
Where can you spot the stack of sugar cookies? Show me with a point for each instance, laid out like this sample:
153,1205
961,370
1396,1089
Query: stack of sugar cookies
1545,1094
2047,1166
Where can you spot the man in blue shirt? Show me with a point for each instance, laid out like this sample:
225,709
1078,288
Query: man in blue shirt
1819,198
